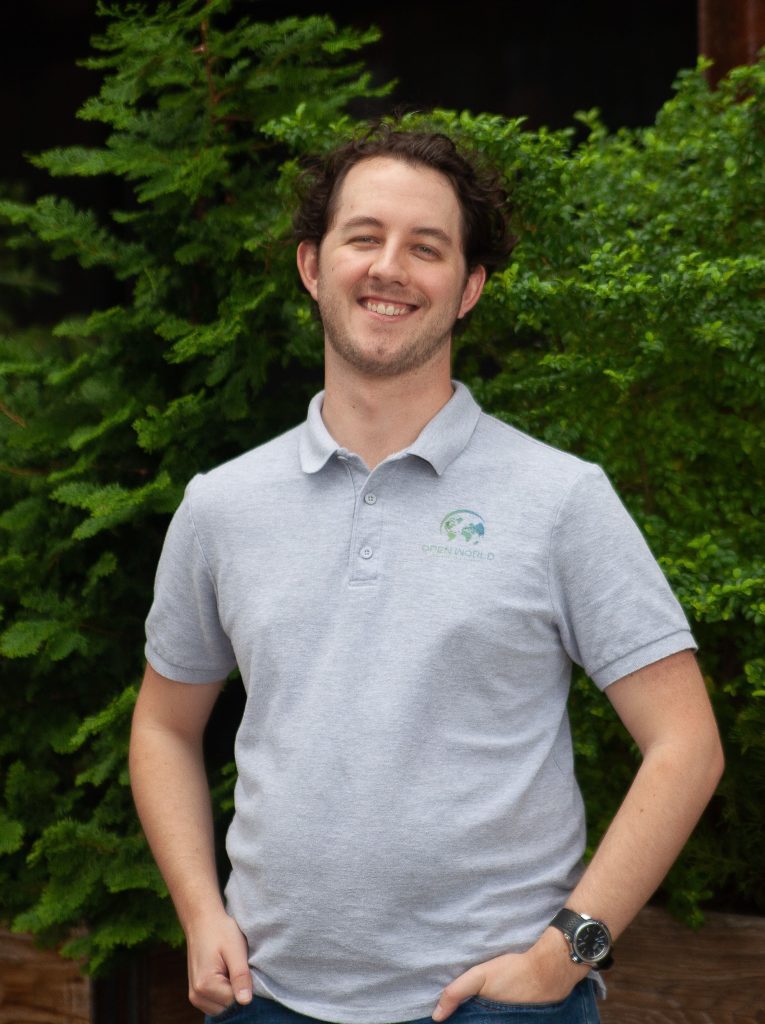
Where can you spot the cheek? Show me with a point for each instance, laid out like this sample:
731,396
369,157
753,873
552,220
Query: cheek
344,273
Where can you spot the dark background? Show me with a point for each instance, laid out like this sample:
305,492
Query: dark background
543,59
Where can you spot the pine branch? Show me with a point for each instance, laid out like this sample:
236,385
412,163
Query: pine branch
14,417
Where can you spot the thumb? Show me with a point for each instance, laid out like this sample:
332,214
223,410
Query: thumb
241,983
468,984
238,969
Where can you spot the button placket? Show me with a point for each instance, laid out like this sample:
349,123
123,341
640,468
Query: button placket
367,549
367,535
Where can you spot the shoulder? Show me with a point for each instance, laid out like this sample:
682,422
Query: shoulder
249,477
534,465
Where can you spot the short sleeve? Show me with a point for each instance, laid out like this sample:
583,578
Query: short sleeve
615,610
184,637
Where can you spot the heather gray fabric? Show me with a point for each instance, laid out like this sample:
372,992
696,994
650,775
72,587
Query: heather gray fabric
406,805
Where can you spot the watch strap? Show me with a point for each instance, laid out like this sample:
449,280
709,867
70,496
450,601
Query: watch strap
568,921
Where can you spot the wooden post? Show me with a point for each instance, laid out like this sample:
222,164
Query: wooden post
730,32
37,986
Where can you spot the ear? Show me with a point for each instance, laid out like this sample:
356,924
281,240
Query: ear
472,293
308,266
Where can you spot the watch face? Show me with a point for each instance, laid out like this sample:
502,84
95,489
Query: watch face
592,941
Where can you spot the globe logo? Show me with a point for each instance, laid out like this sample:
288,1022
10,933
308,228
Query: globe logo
463,526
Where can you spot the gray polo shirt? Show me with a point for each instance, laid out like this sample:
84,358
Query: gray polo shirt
406,805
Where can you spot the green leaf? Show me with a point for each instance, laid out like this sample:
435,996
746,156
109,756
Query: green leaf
27,637
11,834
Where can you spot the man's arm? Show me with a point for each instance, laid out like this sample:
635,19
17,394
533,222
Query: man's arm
666,709
173,800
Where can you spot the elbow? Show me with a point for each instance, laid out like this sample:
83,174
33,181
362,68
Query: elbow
716,762
710,759
696,762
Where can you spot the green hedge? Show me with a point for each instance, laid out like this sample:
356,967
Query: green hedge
628,328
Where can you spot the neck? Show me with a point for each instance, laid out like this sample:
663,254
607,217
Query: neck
379,416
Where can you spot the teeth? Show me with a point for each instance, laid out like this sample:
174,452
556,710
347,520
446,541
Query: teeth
387,308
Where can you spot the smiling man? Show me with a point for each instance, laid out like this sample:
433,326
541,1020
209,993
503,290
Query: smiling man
408,832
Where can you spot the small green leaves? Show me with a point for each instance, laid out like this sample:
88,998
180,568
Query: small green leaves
11,834
27,636
630,329
113,504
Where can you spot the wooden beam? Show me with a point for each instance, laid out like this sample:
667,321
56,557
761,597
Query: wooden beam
730,32
37,986
666,973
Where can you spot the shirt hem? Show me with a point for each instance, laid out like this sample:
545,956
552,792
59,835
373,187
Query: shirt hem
179,674
681,640
333,1015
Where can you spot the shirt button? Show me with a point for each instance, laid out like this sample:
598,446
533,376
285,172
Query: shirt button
366,552
370,499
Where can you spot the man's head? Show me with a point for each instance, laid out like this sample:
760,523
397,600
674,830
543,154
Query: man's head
396,231
483,202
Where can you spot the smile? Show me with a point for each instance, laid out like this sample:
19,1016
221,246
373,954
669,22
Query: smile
386,308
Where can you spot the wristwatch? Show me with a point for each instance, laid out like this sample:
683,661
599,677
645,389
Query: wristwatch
589,939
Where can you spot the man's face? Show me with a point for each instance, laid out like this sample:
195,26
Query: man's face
389,275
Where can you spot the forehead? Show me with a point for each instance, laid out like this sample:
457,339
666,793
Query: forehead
392,190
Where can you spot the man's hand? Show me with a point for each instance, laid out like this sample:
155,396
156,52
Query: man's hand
543,974
218,968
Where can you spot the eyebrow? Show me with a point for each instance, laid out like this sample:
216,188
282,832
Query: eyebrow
373,222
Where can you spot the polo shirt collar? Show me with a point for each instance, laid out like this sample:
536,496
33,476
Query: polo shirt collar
447,434
316,445
439,442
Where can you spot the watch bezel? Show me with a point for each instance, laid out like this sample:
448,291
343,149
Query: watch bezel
589,924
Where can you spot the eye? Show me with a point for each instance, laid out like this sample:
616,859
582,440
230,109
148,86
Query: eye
363,240
426,251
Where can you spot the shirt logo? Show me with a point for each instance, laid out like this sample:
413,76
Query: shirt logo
462,538
463,527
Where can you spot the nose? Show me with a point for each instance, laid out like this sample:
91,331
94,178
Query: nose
388,265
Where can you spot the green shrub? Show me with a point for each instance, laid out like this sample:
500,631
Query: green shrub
627,329
630,329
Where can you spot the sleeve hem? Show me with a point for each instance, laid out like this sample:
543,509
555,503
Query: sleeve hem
181,674
682,640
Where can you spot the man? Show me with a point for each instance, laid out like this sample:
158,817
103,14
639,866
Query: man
408,831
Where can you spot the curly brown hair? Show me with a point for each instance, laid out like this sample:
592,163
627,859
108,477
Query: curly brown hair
482,198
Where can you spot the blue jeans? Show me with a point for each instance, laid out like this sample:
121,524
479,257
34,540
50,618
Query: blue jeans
579,1008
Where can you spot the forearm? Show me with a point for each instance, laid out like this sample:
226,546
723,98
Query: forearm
173,802
658,814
